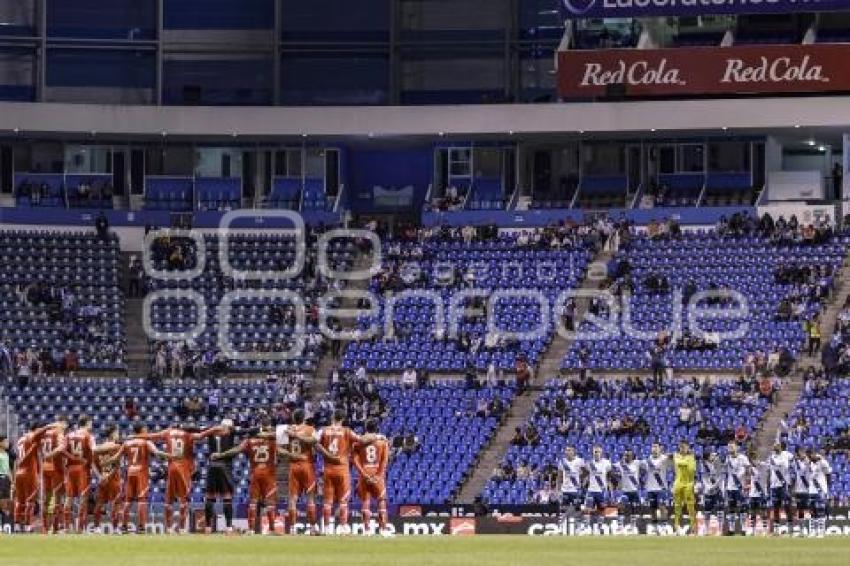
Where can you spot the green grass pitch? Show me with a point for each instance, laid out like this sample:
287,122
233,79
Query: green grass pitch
37,550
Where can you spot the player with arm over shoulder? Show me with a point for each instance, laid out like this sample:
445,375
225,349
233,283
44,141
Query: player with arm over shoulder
27,472
53,455
180,446
262,452
80,456
109,485
335,443
137,452
302,471
219,481
371,462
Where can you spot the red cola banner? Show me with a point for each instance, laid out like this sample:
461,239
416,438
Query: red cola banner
704,70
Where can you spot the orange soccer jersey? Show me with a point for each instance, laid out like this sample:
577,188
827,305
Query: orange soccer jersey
338,441
53,467
302,473
371,461
262,457
109,488
137,453
180,445
81,456
27,468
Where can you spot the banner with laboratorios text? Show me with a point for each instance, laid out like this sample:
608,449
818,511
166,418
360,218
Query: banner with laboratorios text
761,69
574,9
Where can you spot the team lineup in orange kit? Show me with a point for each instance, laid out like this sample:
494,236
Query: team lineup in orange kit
56,468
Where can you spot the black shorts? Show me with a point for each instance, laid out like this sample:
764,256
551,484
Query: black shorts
5,487
219,482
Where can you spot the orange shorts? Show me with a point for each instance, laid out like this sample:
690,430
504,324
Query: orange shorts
367,490
337,486
26,488
78,482
138,487
53,483
109,489
302,480
263,487
178,484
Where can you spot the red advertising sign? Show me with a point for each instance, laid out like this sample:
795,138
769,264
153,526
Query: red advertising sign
704,70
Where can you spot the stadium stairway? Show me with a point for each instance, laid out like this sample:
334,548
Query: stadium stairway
136,355
328,361
523,405
792,389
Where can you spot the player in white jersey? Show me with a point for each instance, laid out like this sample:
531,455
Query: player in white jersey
802,472
598,470
757,492
570,471
780,462
736,467
819,492
711,480
628,472
656,470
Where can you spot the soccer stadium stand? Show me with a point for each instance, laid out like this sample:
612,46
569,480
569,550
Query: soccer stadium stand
62,305
653,268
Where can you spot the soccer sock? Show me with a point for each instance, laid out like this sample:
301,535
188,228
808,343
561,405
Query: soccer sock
68,512
252,516
209,510
82,516
311,513
367,517
382,514
29,514
327,511
169,516
291,516
270,515
143,515
343,514
692,515
184,514
228,512
125,515
98,513
677,515
113,514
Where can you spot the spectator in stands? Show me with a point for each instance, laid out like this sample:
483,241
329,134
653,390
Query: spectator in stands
101,225
131,407
523,375
519,439
410,444
408,378
135,274
813,332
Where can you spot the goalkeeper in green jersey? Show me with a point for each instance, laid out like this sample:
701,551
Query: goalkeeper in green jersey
685,467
